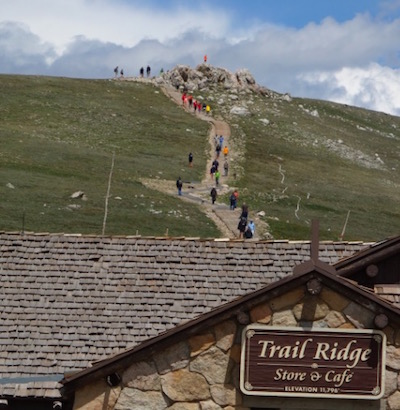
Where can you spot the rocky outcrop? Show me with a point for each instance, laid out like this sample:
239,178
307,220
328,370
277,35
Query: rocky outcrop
206,77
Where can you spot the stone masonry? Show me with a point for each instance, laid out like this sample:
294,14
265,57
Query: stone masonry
202,372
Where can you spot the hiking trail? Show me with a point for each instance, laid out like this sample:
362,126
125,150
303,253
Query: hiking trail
221,214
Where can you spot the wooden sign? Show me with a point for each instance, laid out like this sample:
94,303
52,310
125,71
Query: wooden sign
312,363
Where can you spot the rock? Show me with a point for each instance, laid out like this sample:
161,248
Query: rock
205,76
77,194
236,110
184,406
209,405
261,314
10,185
245,78
394,401
73,207
225,334
142,376
134,399
211,364
390,383
359,316
225,395
311,309
173,358
393,357
200,343
287,97
289,299
334,319
183,385
284,318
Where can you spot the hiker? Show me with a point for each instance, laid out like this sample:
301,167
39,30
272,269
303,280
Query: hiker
179,185
116,71
208,109
221,140
217,176
218,150
226,168
247,233
233,201
141,72
148,70
213,194
190,159
122,73
245,211
216,164
212,172
252,227
226,151
205,58
242,226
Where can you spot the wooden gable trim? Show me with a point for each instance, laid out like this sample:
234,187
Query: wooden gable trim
371,255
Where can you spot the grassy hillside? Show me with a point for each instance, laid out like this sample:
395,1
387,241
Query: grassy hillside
57,137
296,160
308,159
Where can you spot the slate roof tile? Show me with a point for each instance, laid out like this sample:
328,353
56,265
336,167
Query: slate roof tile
70,300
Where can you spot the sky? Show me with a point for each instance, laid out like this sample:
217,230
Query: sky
346,51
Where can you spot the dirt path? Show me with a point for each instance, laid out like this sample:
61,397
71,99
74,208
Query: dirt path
225,218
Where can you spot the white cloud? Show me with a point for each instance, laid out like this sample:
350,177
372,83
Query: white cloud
375,86
352,62
20,49
115,22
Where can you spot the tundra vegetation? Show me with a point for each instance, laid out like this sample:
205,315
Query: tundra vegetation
296,160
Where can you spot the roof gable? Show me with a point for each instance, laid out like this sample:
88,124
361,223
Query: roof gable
309,275
376,267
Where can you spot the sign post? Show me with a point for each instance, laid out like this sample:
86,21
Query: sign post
297,362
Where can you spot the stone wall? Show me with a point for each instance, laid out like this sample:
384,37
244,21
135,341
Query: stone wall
202,372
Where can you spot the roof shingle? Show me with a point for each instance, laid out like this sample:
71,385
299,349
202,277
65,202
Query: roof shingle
70,300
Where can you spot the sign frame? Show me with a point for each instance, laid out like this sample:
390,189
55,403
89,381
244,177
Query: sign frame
258,361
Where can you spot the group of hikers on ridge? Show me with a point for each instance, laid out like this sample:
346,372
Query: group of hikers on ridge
197,106
148,71
141,72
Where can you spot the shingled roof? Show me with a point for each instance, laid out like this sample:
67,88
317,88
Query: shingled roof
70,300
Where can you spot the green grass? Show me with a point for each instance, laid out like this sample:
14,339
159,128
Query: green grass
320,182
58,136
